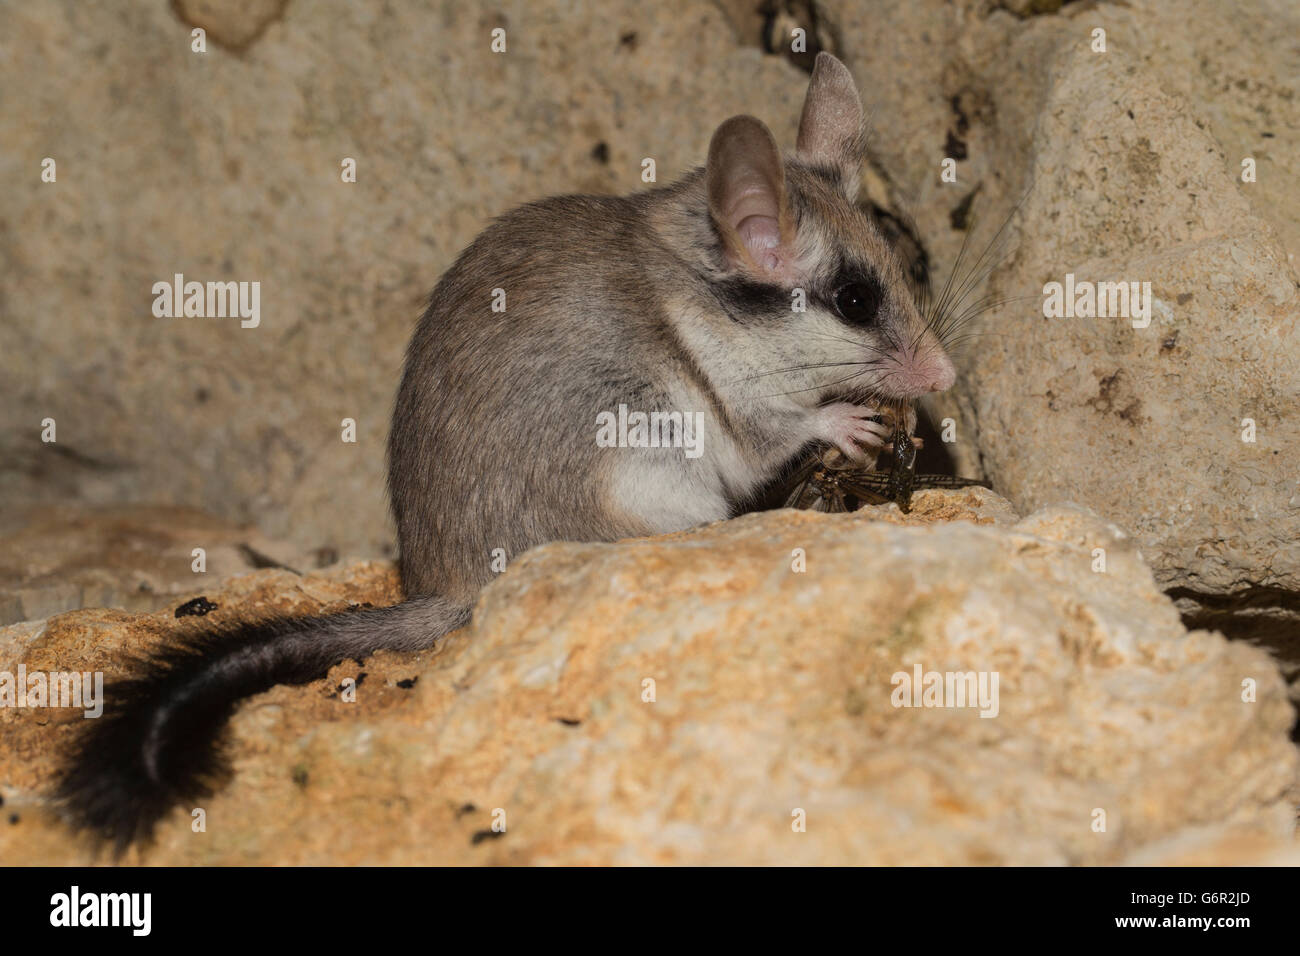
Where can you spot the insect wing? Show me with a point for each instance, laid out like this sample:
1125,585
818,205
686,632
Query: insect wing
948,481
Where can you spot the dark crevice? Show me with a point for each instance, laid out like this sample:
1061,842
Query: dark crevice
933,458
1264,617
1267,617
1024,9
780,17
960,216
89,462
259,560
1255,597
228,26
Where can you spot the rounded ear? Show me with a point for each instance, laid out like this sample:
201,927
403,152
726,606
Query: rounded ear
745,179
831,126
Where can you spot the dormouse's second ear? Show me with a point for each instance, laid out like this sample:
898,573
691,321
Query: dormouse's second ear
745,177
831,129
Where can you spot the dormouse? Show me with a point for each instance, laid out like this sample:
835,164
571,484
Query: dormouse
751,301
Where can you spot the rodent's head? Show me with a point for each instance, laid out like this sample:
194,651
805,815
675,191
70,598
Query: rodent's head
793,224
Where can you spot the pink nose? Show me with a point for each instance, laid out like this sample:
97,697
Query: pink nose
942,374
922,374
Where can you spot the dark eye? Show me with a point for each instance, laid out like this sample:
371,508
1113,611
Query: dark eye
858,302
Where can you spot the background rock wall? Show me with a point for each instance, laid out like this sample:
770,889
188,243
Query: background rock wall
225,166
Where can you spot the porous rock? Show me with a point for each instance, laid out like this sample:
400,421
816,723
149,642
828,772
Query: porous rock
689,699
1116,165
134,557
227,166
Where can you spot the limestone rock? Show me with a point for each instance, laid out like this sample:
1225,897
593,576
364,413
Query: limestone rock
1129,165
447,134
772,685
232,23
133,557
102,639
1147,424
772,696
227,167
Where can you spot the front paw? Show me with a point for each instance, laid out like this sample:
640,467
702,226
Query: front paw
850,429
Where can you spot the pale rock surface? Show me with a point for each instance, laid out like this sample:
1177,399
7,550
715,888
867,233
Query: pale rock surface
772,694
226,165
133,557
1128,163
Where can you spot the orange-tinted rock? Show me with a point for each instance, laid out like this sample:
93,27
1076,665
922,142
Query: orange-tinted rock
772,696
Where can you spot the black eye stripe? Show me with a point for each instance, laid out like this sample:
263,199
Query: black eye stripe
745,300
855,296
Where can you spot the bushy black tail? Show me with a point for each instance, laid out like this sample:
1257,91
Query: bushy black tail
157,743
